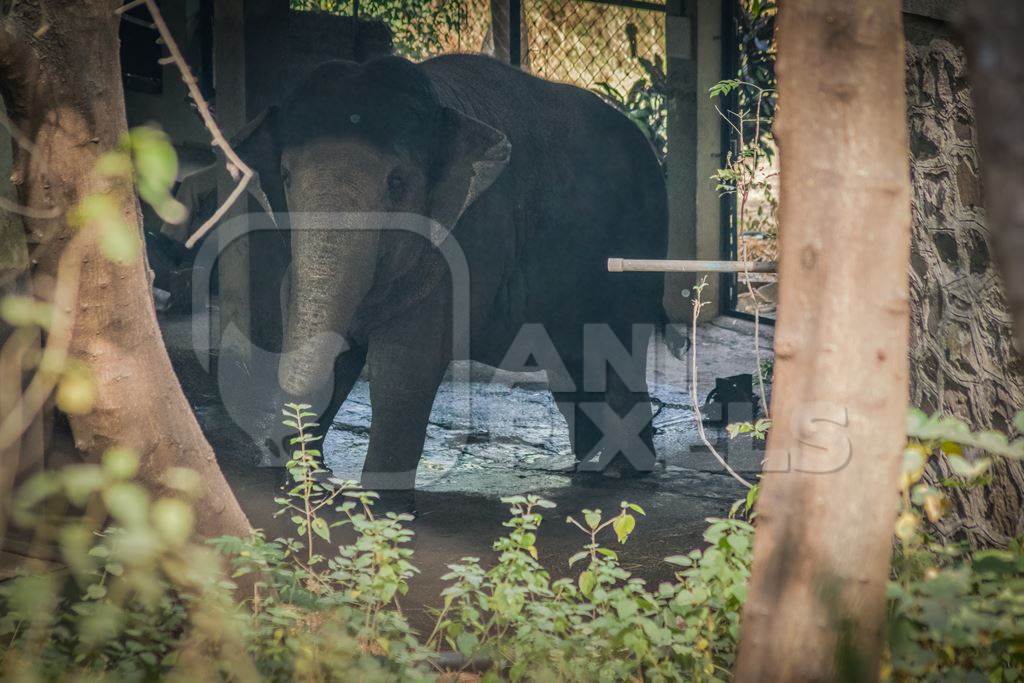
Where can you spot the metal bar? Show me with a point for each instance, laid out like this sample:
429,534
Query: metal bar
627,265
635,4
729,284
515,33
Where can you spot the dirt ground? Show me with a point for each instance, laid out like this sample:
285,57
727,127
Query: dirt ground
512,440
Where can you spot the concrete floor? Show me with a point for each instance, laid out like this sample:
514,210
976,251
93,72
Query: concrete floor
513,440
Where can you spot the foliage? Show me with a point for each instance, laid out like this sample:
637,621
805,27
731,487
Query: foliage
953,611
747,173
757,429
144,160
755,31
418,28
141,600
605,624
645,102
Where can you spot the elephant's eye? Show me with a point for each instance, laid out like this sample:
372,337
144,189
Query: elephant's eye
286,176
396,184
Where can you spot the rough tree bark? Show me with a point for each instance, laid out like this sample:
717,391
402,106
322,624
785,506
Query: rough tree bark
821,554
61,81
993,34
962,356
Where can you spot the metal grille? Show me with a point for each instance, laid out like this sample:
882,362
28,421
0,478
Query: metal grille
587,43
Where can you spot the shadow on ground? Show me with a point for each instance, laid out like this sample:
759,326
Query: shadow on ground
506,437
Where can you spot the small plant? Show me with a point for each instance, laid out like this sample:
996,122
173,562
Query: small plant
953,611
757,429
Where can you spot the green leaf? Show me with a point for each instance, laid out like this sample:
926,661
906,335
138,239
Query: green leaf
119,242
173,520
593,518
128,503
76,391
635,508
321,529
966,469
466,643
623,526
587,582
120,463
81,481
996,562
582,555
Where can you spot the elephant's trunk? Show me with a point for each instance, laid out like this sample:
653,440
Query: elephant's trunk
332,270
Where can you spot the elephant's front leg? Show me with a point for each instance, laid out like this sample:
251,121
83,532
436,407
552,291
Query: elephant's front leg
407,362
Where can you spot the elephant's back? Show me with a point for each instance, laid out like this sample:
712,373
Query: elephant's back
587,183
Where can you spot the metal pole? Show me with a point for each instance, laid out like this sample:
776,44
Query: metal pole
515,35
626,265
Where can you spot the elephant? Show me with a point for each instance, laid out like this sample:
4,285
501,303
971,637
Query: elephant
532,184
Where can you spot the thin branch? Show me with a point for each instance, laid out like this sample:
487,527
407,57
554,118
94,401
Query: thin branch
754,296
697,305
28,211
128,6
204,112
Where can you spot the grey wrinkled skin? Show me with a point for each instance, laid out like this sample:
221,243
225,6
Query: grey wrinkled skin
537,183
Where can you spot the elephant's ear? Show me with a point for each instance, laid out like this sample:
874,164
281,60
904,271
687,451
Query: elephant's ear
257,144
475,155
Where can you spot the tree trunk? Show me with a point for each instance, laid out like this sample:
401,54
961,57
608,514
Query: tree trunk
61,80
963,360
824,532
993,32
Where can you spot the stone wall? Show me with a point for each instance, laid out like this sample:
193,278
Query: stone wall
963,361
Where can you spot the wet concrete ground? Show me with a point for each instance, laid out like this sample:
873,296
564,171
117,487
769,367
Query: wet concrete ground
506,437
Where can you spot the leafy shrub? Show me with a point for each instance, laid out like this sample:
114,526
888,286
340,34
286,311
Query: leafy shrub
140,600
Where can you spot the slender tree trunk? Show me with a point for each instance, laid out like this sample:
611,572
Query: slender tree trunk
994,35
61,81
824,532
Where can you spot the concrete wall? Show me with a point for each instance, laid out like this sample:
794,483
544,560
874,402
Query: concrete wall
694,64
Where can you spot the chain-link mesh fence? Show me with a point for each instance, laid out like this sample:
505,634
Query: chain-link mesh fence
575,41
587,43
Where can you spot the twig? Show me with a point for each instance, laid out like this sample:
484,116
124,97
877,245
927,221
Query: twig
28,211
697,305
754,296
204,112
55,352
743,192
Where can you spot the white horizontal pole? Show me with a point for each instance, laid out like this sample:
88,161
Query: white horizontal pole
624,265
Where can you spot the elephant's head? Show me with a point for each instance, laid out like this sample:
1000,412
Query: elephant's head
371,140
